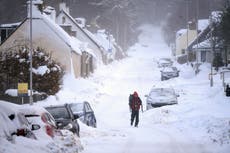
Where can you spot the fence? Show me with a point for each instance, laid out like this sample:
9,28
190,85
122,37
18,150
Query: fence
26,99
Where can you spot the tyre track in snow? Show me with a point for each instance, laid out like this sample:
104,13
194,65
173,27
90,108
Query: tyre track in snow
159,141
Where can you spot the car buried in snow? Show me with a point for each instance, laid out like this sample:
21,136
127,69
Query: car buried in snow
169,72
64,117
164,62
160,97
85,113
38,115
14,123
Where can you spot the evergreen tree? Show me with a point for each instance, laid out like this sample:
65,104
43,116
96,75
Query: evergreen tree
225,26
15,68
217,61
225,32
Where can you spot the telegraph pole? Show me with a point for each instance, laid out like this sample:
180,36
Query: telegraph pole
187,23
197,41
31,55
212,52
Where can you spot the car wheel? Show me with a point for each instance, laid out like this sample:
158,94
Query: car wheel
94,123
76,129
87,123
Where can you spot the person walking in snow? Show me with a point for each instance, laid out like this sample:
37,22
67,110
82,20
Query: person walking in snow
135,104
227,90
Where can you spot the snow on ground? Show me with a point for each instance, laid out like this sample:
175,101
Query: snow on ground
200,123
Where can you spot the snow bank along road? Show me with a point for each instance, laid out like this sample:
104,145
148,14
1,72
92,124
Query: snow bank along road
170,129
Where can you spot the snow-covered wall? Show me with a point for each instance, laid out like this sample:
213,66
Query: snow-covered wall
183,39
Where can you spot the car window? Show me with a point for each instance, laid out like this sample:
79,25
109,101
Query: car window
88,108
155,92
50,119
174,68
77,108
165,60
168,69
44,118
168,91
59,112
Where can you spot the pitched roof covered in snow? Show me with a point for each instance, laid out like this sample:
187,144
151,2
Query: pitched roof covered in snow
72,43
202,24
10,25
76,24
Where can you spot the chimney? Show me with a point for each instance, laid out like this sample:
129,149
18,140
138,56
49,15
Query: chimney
62,6
36,4
81,22
50,11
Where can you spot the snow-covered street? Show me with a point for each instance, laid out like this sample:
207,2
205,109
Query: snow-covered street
199,123
115,76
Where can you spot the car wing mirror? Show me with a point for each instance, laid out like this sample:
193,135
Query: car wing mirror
59,124
35,127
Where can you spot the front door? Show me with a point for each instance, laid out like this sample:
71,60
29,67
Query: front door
203,56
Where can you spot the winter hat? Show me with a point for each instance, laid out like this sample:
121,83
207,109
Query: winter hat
135,94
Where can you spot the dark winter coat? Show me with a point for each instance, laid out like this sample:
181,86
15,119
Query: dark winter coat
134,103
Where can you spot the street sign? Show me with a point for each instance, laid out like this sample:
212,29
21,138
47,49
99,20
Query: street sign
22,89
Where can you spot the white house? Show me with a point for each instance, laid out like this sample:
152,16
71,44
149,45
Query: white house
49,36
183,38
186,37
102,44
202,44
69,24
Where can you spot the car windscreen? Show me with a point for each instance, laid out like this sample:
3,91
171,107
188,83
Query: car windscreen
77,108
161,92
168,69
165,60
58,112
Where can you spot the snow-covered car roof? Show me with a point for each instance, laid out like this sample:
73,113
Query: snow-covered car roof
160,90
169,69
33,110
164,60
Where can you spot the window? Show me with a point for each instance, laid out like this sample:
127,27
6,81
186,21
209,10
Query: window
59,112
183,51
87,108
63,20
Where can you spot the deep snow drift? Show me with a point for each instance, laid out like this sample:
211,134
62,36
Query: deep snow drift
200,123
